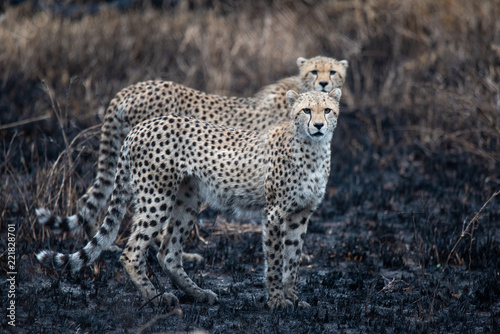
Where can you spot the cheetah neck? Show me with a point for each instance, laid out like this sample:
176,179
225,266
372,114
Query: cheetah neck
308,159
280,88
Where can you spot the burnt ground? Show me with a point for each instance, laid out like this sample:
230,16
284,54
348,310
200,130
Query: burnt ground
381,261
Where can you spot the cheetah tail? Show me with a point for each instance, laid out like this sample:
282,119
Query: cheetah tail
113,133
57,224
105,237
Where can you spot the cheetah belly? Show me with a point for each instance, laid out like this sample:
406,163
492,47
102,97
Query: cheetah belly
245,201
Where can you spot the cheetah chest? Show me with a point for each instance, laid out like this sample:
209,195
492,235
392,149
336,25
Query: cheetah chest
311,188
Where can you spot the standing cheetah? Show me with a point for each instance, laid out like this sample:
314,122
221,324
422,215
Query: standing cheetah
170,165
155,98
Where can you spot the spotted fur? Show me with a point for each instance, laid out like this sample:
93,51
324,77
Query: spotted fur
171,165
155,98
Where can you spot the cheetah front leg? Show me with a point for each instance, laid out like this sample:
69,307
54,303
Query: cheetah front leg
296,228
273,229
181,222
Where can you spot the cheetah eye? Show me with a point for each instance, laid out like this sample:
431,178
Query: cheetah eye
333,72
314,72
328,110
306,111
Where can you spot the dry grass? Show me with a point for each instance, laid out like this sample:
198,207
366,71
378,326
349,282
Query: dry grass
434,64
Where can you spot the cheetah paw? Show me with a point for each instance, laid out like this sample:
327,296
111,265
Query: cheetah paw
305,259
208,296
166,299
291,295
280,303
193,257
303,304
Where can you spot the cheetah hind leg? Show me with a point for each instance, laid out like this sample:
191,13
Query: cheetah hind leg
133,257
195,258
190,257
80,204
182,219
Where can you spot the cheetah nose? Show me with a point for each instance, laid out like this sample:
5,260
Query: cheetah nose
323,83
318,125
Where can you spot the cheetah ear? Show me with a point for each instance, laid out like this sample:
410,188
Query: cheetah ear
291,98
336,94
344,63
301,61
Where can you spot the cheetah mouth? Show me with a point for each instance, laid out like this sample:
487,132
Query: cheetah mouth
317,135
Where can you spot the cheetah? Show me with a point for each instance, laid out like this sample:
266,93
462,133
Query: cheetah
170,165
155,98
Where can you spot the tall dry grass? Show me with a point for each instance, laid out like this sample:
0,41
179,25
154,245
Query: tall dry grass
424,73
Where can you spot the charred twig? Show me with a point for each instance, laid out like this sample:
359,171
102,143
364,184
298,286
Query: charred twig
466,230
469,228
24,122
175,311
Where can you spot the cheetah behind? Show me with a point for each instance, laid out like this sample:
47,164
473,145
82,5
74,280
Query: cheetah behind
171,165
155,98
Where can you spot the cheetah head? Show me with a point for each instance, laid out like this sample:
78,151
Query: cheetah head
321,74
314,113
